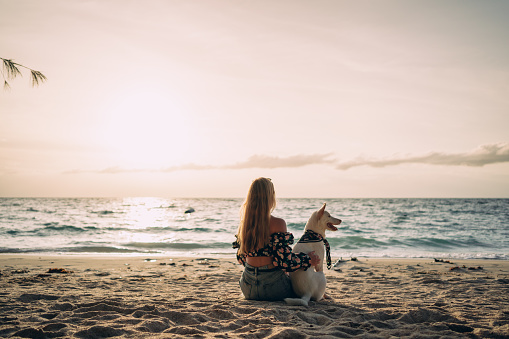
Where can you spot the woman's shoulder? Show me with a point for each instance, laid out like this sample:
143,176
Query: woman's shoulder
277,225
281,239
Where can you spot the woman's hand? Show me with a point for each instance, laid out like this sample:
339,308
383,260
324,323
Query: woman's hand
315,260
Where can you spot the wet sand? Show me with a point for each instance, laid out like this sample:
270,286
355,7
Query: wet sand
130,296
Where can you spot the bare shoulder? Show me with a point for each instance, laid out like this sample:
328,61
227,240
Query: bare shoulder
277,225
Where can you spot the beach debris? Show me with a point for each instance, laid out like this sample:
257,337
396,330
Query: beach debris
354,259
59,270
149,260
206,261
20,271
339,262
475,268
190,210
444,261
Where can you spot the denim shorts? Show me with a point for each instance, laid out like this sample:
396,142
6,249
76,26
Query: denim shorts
263,283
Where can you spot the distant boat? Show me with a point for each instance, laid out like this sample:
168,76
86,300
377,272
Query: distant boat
190,210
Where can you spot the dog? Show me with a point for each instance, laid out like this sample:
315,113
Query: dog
310,284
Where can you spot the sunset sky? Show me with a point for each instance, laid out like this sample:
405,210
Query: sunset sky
197,98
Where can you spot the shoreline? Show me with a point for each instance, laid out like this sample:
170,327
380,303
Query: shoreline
224,256
180,297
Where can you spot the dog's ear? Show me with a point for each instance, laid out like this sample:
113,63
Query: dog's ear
320,211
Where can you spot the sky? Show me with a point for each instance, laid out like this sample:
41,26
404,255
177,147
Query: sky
329,99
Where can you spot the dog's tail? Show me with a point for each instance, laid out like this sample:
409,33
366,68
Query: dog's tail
304,301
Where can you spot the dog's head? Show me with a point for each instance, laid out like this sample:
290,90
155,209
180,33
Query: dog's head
321,221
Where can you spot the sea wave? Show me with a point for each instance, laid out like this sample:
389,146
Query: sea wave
177,245
73,249
371,227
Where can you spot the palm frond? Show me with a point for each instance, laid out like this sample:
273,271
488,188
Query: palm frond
11,69
37,77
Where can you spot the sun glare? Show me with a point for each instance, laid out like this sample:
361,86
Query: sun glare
145,129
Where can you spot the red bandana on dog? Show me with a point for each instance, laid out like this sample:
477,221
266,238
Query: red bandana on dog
312,236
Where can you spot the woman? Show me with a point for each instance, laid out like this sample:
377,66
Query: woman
263,244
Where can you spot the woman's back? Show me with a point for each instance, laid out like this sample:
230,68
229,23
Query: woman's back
276,225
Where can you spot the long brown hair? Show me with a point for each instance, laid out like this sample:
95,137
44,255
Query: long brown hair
255,213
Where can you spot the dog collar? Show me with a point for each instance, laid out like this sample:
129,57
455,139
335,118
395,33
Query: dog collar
312,236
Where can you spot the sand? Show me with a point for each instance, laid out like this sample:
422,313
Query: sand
130,296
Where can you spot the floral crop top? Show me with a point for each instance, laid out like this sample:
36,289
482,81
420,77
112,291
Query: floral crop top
279,249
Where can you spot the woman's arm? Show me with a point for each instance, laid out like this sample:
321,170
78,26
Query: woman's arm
281,252
292,260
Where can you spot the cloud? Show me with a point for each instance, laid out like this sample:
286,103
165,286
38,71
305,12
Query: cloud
264,161
483,155
255,161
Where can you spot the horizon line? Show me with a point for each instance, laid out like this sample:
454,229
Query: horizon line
211,197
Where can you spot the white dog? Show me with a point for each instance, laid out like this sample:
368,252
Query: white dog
310,284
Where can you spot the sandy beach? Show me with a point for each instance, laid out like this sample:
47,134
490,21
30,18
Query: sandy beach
137,297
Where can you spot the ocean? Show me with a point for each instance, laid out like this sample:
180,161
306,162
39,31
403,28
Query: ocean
392,228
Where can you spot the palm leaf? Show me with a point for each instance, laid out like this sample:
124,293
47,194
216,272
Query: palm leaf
37,77
11,69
